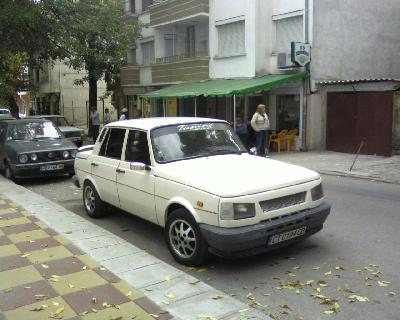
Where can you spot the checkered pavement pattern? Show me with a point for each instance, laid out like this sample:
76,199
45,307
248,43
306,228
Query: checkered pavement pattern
44,276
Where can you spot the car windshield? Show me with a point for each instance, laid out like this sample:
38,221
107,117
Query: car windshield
33,131
59,121
188,141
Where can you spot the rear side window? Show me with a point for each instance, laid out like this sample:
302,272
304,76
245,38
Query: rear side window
112,144
137,147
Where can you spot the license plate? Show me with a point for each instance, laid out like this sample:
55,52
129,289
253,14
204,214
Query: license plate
281,237
52,167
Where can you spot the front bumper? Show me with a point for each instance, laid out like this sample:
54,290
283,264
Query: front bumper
251,240
32,170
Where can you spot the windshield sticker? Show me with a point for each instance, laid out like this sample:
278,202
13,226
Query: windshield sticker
195,127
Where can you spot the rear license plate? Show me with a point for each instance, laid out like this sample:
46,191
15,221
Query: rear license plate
52,167
281,237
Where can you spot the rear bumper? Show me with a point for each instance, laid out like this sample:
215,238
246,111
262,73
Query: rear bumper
251,240
32,170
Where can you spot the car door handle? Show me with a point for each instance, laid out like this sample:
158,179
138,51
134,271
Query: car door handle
94,164
120,171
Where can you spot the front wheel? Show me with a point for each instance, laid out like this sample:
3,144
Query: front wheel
8,173
184,239
94,206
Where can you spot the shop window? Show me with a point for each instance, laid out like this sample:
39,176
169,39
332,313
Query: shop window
288,112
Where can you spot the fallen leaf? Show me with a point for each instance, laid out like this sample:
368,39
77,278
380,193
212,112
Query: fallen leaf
170,296
103,269
309,282
205,317
40,308
168,279
328,312
316,268
383,283
285,306
328,273
296,268
117,318
339,268
84,313
290,274
266,294
116,306
165,302
55,303
26,255
217,297
322,283
201,270
193,283
94,300
243,310
357,270
129,294
156,316
41,296
84,267
354,297
94,310
71,285
106,305
392,294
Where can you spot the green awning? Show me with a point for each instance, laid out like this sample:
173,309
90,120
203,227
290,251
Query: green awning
224,88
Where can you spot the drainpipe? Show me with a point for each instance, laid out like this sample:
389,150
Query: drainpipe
304,82
234,113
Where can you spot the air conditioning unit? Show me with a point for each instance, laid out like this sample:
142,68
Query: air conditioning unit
284,60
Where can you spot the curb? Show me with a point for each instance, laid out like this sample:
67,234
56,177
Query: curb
352,175
189,298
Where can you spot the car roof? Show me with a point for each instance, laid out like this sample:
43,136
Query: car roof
18,121
45,116
151,123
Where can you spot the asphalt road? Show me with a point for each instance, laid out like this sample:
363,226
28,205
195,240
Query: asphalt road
361,236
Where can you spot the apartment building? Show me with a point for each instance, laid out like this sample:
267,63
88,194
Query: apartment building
56,93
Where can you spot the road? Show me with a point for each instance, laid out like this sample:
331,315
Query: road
359,246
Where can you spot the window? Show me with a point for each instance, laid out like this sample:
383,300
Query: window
190,41
131,55
102,134
170,44
113,142
146,4
137,147
132,6
286,31
148,53
231,39
288,112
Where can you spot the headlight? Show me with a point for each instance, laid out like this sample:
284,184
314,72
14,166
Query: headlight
23,158
33,156
73,153
237,211
65,154
317,192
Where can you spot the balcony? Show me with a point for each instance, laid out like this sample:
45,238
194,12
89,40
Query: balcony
130,75
170,11
184,67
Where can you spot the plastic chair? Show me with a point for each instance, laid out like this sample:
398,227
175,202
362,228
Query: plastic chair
290,138
277,138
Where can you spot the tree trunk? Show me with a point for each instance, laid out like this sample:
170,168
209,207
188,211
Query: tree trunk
13,106
92,89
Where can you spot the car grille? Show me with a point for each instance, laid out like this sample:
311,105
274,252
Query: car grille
283,202
72,134
50,156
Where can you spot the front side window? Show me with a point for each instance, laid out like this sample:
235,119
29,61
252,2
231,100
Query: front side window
137,147
33,131
231,39
112,144
195,140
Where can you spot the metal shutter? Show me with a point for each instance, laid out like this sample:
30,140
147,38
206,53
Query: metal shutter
231,38
288,30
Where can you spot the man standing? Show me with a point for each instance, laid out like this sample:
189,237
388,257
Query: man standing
95,121
107,116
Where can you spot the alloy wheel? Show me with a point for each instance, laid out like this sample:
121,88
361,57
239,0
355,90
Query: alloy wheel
182,238
90,199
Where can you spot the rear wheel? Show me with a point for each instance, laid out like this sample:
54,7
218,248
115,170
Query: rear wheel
94,206
184,239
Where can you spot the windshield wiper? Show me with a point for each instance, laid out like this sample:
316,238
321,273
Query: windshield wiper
218,152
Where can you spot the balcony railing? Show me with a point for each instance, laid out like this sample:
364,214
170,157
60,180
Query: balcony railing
172,10
182,57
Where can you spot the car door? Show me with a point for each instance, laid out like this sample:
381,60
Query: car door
136,187
105,165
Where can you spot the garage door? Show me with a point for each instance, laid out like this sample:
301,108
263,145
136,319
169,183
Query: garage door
356,117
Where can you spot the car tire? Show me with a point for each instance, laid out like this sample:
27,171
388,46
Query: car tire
94,206
184,239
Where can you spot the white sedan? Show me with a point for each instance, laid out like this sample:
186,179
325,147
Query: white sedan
194,177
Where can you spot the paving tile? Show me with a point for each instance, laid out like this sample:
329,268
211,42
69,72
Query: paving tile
81,301
116,251
9,250
20,228
33,218
77,281
28,236
103,241
36,243
41,224
26,313
20,276
5,223
88,261
60,267
49,254
25,294
128,310
84,233
129,292
2,233
4,240
130,262
10,216
7,210
62,240
74,249
106,274
50,231
13,262
152,308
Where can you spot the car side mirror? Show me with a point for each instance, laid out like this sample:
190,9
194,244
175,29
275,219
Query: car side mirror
139,166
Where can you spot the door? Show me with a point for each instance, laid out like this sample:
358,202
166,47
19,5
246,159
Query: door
136,188
105,165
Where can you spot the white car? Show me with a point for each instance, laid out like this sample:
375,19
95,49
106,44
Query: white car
194,177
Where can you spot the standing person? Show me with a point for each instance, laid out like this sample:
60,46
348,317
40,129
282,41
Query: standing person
95,121
124,114
260,124
241,131
107,116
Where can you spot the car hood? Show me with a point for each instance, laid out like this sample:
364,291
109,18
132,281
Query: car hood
235,175
24,146
69,129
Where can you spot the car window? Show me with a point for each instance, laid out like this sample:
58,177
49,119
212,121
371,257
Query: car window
102,134
112,145
137,147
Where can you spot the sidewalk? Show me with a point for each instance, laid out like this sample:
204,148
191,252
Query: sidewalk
77,270
335,163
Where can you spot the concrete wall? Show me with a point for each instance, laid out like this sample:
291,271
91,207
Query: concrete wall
356,39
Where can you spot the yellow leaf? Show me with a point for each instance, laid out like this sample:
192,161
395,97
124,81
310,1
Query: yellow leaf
358,298
328,273
168,279
201,270
217,297
205,317
297,291
165,302
266,294
309,282
296,268
383,283
129,293
316,268
60,310
103,269
40,308
26,255
84,267
94,310
322,283
71,285
55,303
154,315
193,283
328,312
339,268
170,296
243,310
285,306
290,274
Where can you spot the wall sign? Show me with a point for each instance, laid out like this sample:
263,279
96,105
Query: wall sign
301,53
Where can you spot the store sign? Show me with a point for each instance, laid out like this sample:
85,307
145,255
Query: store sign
301,53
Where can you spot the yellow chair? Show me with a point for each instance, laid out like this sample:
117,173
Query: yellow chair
277,138
290,138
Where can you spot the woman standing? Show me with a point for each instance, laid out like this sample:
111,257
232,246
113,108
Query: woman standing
260,124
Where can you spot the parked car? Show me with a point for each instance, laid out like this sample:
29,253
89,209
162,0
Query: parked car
34,148
5,113
194,178
70,132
